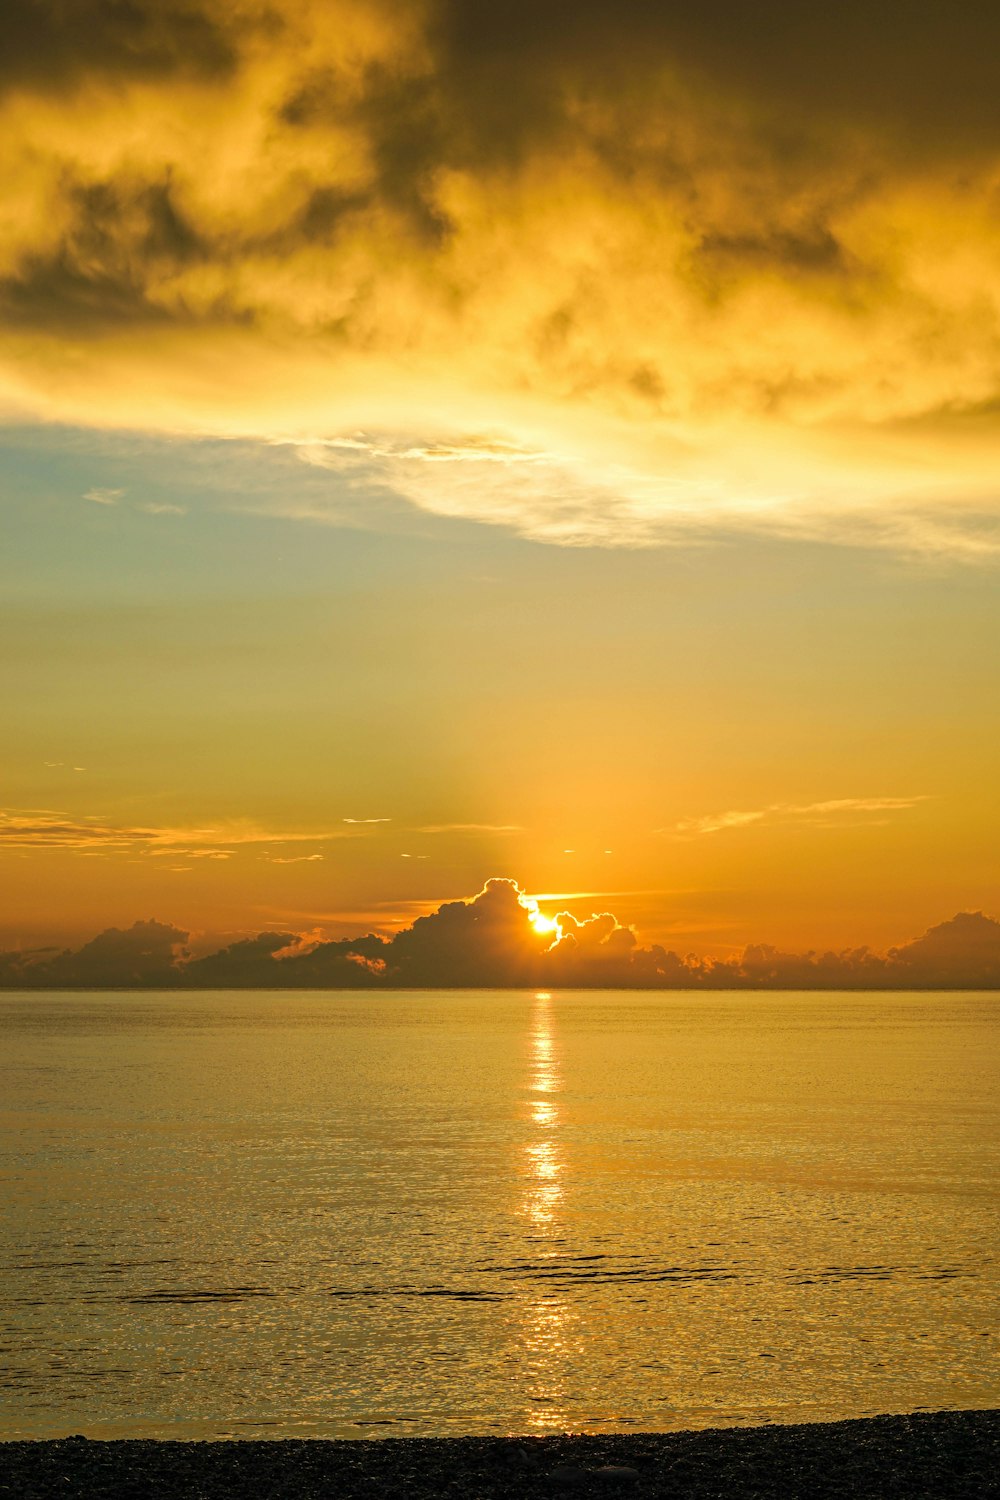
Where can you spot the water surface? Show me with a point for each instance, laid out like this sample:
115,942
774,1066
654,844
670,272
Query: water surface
478,1212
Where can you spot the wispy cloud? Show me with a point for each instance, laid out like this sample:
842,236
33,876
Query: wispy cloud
469,449
544,495
161,508
601,895
828,813
105,495
577,497
470,828
177,851
54,829
46,828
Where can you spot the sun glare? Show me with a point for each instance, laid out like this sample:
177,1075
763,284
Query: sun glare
543,925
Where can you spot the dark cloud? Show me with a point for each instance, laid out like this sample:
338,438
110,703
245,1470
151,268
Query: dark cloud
493,941
963,953
491,87
401,118
49,45
355,963
488,941
250,963
121,235
807,250
595,951
763,967
921,68
23,967
483,84
143,956
322,217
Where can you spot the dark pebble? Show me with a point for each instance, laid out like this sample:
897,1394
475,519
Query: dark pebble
567,1476
927,1456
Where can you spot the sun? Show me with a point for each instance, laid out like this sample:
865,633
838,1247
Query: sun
543,925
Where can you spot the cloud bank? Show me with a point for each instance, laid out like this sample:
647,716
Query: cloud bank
500,939
630,272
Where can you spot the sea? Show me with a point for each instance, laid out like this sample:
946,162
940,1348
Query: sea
431,1213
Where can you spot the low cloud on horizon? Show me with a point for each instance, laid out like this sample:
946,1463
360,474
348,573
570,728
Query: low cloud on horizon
500,939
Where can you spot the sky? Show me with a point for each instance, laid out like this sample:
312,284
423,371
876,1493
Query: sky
451,441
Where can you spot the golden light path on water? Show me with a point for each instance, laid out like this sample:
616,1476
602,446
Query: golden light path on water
548,1318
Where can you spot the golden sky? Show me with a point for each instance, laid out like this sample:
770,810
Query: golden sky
452,440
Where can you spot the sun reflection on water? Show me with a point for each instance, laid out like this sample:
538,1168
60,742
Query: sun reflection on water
545,1162
548,1320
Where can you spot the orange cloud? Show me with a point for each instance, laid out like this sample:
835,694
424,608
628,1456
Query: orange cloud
663,275
55,830
817,814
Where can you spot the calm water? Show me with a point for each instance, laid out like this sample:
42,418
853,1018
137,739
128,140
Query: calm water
238,1215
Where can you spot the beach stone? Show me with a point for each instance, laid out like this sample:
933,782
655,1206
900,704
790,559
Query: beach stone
617,1474
568,1476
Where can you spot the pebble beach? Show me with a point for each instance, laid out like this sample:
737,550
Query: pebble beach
938,1455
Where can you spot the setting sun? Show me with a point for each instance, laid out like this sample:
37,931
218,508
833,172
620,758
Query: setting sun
542,924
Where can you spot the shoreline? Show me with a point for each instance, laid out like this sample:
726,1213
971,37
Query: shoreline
937,1455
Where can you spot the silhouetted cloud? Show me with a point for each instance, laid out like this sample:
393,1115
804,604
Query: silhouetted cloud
145,955
487,941
500,939
964,953
354,963
250,963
